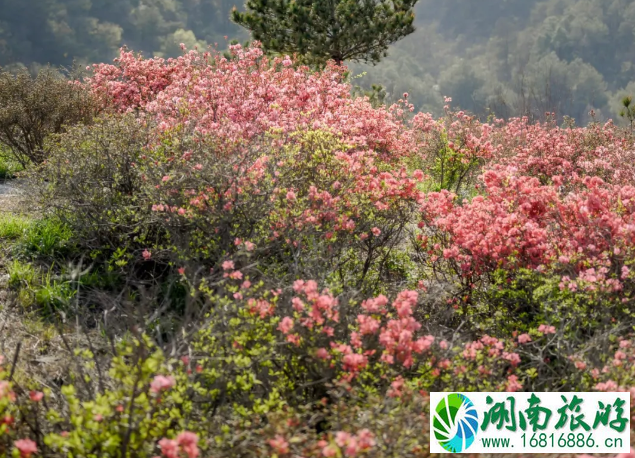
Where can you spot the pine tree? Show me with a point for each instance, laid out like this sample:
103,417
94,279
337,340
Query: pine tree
354,30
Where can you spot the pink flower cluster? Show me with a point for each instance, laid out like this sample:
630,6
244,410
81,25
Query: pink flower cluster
186,442
162,383
317,314
350,444
319,308
26,447
244,96
520,222
397,337
545,151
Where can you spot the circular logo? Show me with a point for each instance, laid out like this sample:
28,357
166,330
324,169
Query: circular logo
455,423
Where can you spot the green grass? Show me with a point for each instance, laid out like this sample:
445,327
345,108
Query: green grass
46,238
9,167
39,283
13,227
21,274
53,293
36,288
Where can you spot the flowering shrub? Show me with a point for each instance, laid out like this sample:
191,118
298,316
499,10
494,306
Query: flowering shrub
291,371
585,236
278,167
295,268
242,97
317,201
569,154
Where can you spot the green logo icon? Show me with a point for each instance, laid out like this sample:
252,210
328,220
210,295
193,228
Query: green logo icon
455,423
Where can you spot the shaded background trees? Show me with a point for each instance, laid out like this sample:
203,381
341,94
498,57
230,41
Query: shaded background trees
515,57
59,31
510,57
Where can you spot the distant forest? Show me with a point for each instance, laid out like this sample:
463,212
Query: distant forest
506,57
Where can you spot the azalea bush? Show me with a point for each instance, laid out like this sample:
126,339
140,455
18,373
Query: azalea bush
277,170
310,207
276,371
136,410
278,267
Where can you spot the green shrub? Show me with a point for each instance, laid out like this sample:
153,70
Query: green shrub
524,299
242,390
34,108
140,401
92,184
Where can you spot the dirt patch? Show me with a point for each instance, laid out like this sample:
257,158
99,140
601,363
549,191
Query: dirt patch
14,197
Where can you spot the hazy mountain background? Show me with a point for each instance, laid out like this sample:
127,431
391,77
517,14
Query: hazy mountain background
510,57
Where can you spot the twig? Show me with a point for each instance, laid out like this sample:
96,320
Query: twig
15,360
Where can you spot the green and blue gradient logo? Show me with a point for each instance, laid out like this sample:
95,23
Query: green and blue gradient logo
455,423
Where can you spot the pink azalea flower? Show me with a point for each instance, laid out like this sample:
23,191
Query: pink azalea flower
286,325
169,448
188,442
279,445
322,353
513,384
580,365
162,383
524,338
545,329
26,447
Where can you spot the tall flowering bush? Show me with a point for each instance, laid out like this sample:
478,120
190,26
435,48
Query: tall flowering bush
332,208
242,97
241,153
546,234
